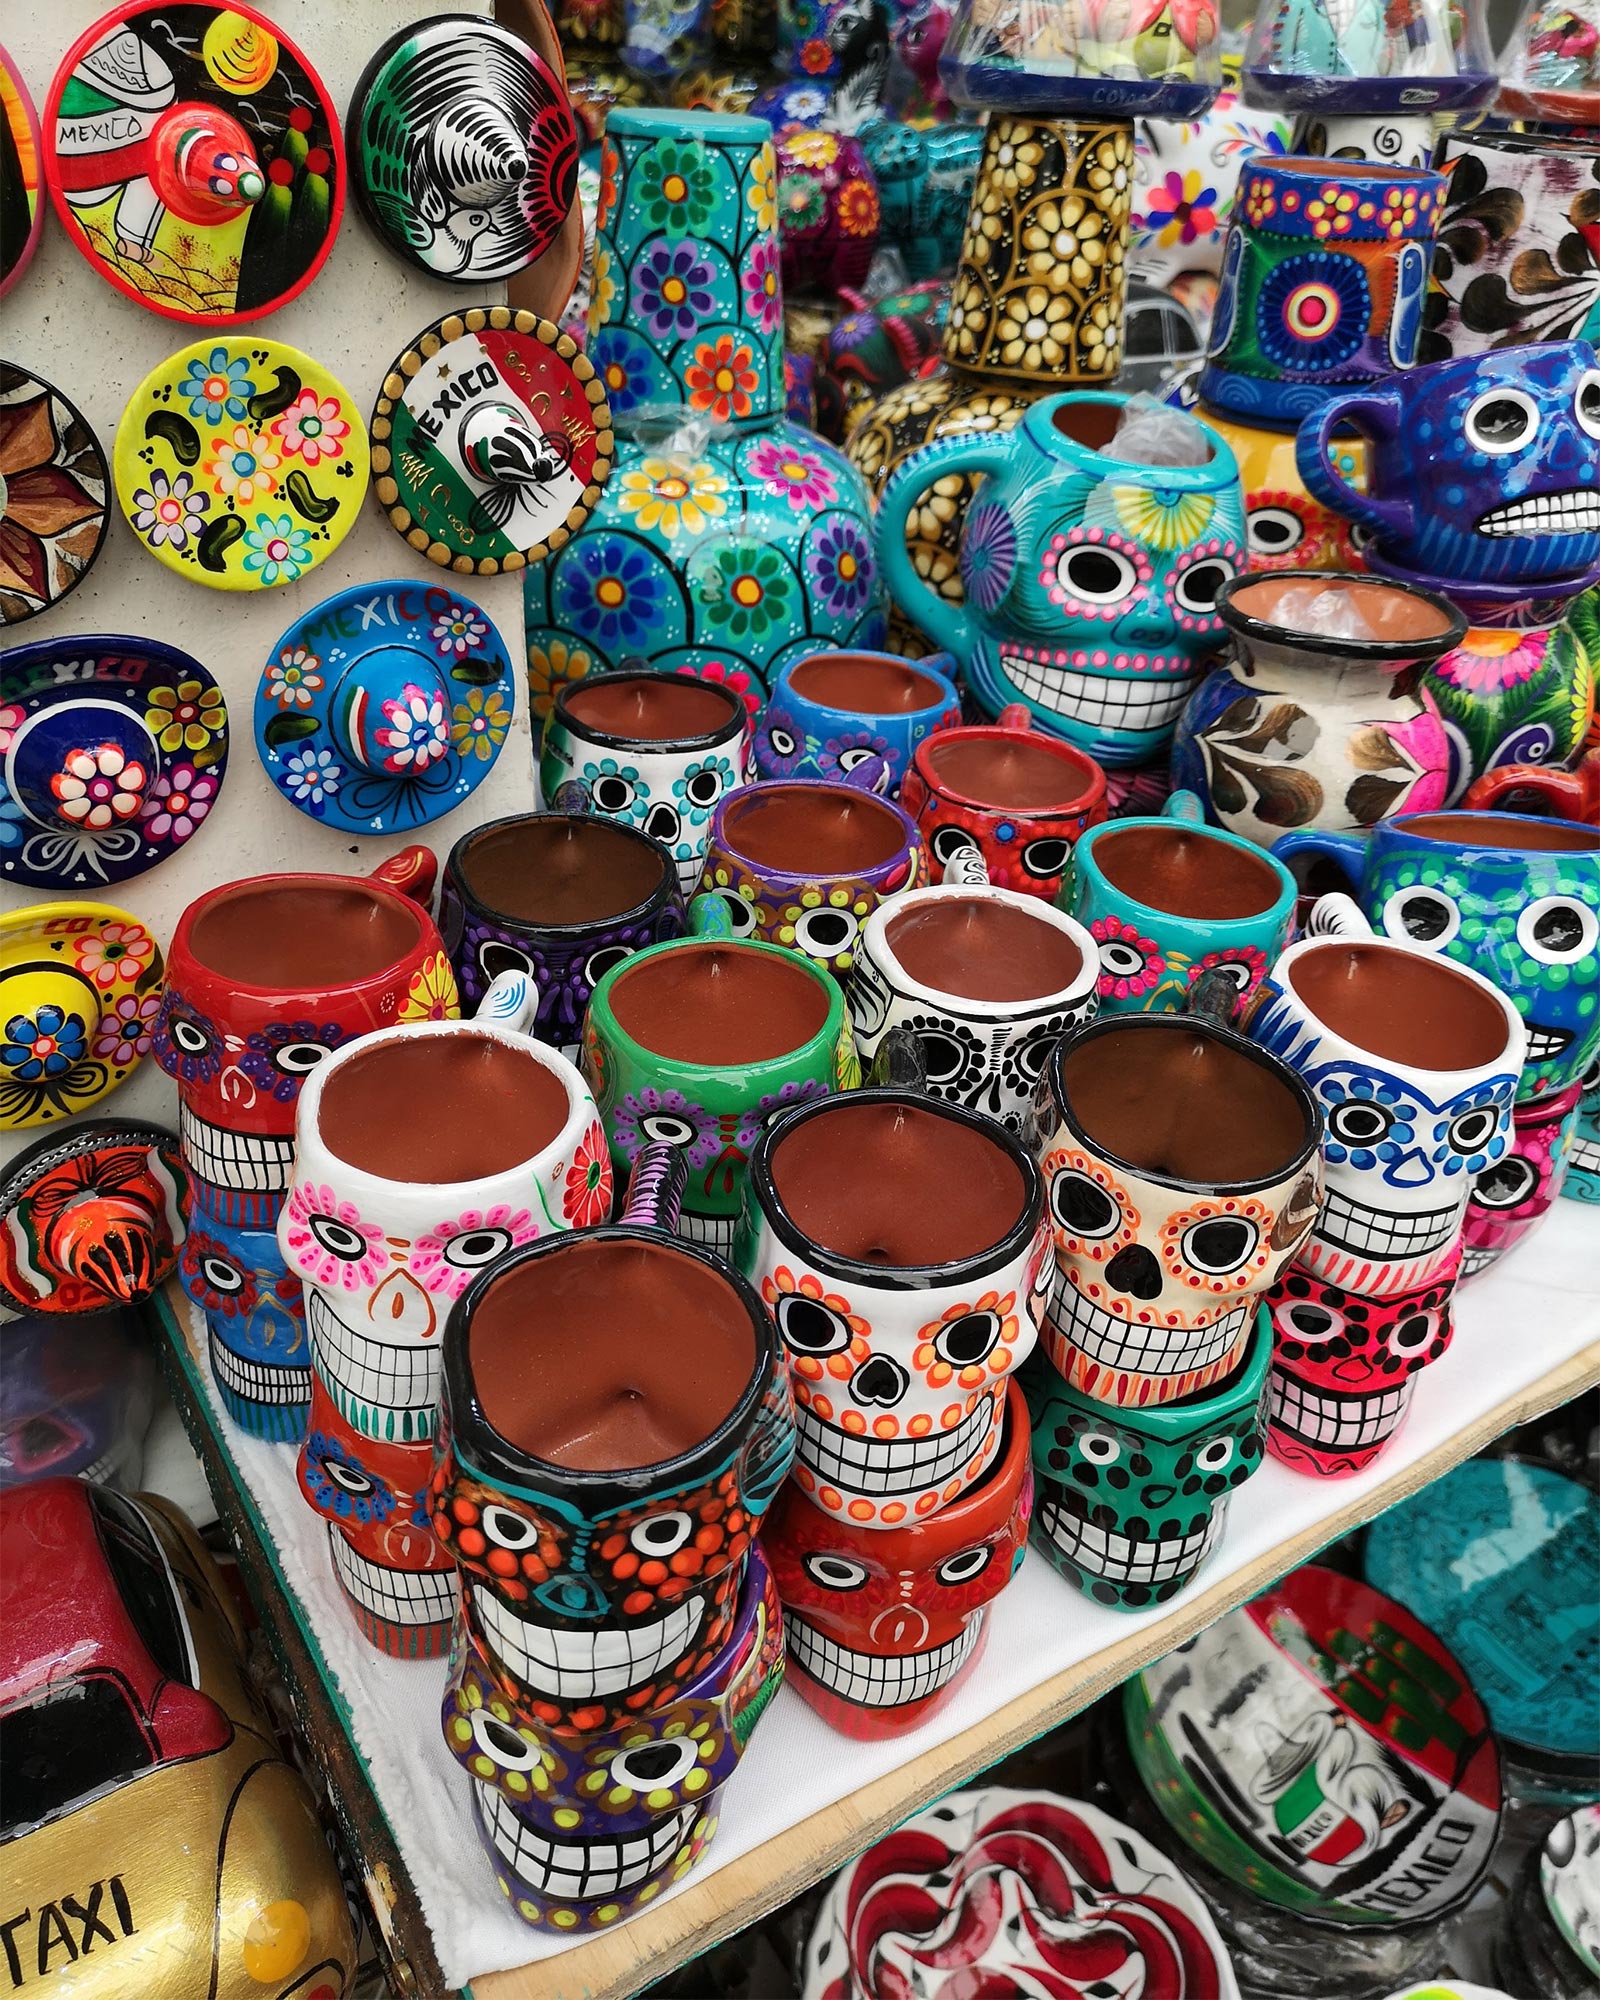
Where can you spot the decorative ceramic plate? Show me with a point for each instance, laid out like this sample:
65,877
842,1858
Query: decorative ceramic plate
195,158
21,209
54,483
491,440
112,753
384,707
241,463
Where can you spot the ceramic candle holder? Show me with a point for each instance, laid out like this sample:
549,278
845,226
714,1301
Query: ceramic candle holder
1011,794
1449,882
1305,727
882,1625
266,978
830,711
983,980
561,897
652,751
1138,1541
1167,899
804,863
900,1321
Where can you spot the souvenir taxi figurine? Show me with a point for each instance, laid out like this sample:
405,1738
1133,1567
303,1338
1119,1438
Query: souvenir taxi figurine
80,983
54,487
463,149
240,463
112,753
21,199
491,440
91,1216
195,158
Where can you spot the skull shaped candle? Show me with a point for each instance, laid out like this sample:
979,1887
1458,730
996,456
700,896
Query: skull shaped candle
421,1156
884,1624
265,979
1181,1175
900,1245
1510,1198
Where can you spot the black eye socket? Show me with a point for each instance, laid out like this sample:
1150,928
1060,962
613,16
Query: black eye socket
477,1248
1122,961
189,1035
1411,1334
1196,587
964,1567
653,1767
662,1534
825,933
1099,1447
1031,1056
966,1341
501,1744
944,1058
1501,420
600,962
508,1530
1358,1122
742,915
857,754
1506,1184
1082,1206
338,1238
781,740
1472,1130
834,1572
810,1327
1310,1324
296,1058
495,958
1043,858
703,788
222,1276
1220,1244
1097,576
1427,916
1235,969
949,841
1587,403
1274,531
1215,1455
665,1128
1555,930
346,1477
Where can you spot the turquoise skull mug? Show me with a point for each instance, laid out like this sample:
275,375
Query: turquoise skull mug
1091,570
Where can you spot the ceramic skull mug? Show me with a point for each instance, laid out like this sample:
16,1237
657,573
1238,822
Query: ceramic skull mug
422,1156
901,1314
1181,1176
1510,1198
882,1625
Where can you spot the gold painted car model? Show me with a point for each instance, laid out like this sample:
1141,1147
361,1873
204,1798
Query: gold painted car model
153,1843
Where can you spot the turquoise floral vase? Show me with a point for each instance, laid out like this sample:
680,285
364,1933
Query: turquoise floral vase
728,540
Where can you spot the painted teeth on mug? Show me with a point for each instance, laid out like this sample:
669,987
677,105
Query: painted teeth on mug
398,1596
258,1381
98,1473
1118,1558
1115,1342
577,1666
711,1232
1545,1043
1098,697
1336,1422
890,1465
878,1680
385,1391
1477,1257
1584,1157
1378,1232
580,1871
1574,512
234,1159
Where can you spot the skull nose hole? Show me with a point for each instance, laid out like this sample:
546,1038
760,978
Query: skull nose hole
1136,1271
661,823
879,1380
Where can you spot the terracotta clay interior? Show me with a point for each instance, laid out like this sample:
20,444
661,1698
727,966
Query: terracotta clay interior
640,708
1555,836
1393,616
1005,769
1400,1005
434,1108
1186,871
1180,1104
862,685
982,949
558,871
609,1354
809,830
897,1185
1093,425
303,937
719,1004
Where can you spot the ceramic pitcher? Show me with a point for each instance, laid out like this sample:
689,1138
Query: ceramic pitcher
1091,579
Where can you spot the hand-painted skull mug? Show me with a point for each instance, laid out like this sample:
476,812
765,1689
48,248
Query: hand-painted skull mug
265,979
829,711
900,1245
422,1155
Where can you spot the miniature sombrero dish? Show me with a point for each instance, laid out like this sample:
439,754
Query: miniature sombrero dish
385,706
112,753
79,986
91,1217
55,488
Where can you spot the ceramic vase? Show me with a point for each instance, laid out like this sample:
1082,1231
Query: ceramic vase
727,539
828,211
1513,697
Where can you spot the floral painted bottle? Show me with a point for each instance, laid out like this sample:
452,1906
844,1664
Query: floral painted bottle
727,540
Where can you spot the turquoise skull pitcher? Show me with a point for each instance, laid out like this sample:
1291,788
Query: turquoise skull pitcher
1091,578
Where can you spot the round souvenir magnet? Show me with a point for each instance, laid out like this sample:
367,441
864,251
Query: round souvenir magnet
79,988
195,158
54,487
240,463
491,440
21,206
385,707
112,753
463,149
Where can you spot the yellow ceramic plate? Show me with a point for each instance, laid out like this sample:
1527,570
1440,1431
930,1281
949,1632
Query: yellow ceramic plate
79,987
240,463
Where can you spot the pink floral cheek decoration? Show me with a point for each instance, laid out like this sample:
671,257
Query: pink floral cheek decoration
1130,965
329,1241
451,1254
